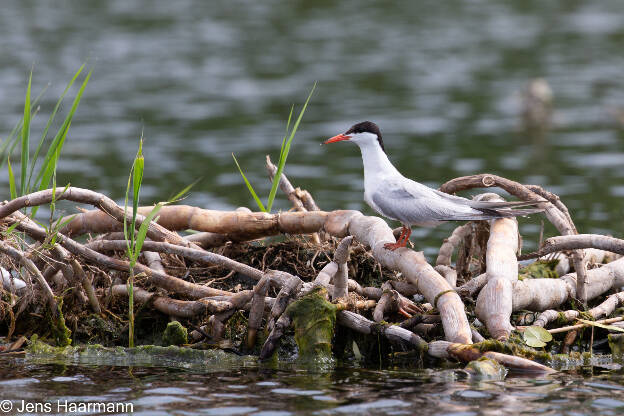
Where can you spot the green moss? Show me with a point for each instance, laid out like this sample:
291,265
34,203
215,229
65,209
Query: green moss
60,332
586,315
141,355
486,369
561,319
616,343
236,328
175,334
560,360
314,319
539,269
514,346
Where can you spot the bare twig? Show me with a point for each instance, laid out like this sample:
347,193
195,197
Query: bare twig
289,191
578,326
105,204
450,243
165,281
341,277
578,241
34,271
174,307
256,311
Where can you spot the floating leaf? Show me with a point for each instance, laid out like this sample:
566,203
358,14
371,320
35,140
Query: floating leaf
536,336
599,325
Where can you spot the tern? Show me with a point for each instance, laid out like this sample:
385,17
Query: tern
396,197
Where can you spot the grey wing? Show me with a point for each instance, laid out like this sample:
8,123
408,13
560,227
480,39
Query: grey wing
486,204
416,204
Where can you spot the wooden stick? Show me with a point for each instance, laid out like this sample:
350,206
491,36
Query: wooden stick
34,271
393,333
543,294
102,202
578,326
256,312
466,353
286,295
289,191
449,274
171,283
494,304
341,277
604,309
473,286
573,242
175,307
450,243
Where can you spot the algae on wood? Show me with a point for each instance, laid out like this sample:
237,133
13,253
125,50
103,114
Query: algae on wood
175,334
314,319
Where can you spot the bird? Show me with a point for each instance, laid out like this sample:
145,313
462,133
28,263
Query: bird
411,203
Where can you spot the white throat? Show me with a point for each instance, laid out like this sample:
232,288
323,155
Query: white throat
376,163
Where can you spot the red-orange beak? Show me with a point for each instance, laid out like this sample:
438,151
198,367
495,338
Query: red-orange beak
337,138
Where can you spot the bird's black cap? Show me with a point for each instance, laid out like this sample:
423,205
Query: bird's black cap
367,127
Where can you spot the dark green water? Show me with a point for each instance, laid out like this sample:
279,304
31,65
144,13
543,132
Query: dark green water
442,79
343,391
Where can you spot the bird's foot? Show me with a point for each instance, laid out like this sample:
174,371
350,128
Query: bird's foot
394,246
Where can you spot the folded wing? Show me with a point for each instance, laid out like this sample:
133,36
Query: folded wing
413,203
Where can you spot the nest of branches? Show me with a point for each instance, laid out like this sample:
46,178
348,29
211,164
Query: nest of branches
242,280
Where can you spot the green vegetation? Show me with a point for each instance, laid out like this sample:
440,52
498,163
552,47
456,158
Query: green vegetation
21,133
314,319
486,369
135,239
536,336
175,334
539,269
284,150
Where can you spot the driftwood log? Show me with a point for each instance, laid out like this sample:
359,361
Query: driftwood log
494,304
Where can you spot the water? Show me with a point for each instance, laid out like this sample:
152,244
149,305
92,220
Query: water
346,390
204,79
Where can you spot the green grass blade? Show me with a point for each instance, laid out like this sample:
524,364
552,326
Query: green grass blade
47,168
25,138
137,178
12,187
14,137
182,194
131,310
126,230
251,190
292,108
284,153
144,226
62,222
10,229
44,135
53,165
599,325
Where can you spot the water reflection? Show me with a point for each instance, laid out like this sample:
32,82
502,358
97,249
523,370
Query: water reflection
346,390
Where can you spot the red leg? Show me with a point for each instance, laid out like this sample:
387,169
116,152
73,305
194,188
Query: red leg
402,240
407,235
